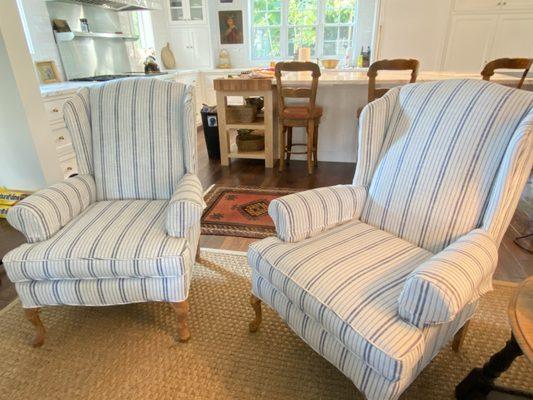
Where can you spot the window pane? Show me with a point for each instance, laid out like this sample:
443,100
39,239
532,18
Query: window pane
196,3
345,32
330,48
330,33
301,37
340,11
266,5
267,18
197,13
302,12
176,14
266,43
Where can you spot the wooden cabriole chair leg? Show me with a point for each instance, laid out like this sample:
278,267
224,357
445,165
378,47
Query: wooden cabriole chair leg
289,143
32,315
182,312
310,145
256,305
459,337
282,145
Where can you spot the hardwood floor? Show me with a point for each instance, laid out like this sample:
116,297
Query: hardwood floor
514,264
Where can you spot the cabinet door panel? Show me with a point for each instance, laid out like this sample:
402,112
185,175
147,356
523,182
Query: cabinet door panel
201,40
508,5
514,36
181,44
477,5
469,42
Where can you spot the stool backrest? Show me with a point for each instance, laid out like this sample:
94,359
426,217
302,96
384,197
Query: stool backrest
398,64
507,63
297,92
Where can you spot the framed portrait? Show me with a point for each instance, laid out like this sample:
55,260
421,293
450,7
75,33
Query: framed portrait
231,28
47,71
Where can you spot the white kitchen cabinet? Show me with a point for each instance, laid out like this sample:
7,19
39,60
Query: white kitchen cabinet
185,12
514,36
469,42
191,47
477,5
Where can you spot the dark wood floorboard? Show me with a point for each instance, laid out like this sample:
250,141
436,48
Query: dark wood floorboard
514,265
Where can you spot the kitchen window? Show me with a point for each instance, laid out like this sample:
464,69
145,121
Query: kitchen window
280,27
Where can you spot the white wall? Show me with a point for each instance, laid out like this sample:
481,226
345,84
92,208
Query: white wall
414,29
28,159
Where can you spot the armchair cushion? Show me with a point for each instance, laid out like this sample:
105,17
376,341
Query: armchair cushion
348,280
303,215
111,239
45,212
442,286
185,207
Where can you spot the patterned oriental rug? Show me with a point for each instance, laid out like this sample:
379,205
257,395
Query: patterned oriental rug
240,211
131,352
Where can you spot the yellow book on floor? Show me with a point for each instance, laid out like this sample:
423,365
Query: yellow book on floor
8,198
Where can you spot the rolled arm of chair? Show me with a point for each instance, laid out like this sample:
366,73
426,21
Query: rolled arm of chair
303,215
185,207
45,212
438,289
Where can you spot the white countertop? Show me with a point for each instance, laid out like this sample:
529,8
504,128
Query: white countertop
329,78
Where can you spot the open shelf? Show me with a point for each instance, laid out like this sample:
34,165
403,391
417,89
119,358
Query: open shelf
234,153
68,36
259,124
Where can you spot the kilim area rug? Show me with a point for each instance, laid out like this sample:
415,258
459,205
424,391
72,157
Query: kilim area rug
131,353
240,211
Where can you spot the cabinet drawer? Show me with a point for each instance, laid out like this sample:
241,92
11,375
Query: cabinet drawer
54,108
69,165
61,137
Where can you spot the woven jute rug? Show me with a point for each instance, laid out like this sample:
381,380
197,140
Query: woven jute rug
240,211
130,352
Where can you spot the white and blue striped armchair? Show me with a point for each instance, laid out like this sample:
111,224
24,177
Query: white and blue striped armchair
379,275
126,229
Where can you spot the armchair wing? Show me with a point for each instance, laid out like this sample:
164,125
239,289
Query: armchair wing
302,215
45,212
438,289
185,207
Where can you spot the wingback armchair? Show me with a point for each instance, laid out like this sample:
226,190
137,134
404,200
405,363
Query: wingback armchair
126,229
379,275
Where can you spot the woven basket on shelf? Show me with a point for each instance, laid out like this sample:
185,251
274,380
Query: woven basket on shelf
248,141
241,114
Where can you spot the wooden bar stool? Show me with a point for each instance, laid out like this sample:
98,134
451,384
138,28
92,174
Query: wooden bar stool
507,63
398,64
306,115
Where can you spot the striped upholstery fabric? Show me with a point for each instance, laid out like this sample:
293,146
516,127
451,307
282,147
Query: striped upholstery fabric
45,212
185,207
442,151
349,280
103,292
143,138
102,236
373,384
302,215
438,289
444,164
373,126
112,239
513,175
77,116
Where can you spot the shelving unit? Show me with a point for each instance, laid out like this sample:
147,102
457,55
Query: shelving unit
226,87
68,36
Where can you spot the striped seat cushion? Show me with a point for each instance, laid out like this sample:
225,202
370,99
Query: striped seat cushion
111,239
442,150
349,279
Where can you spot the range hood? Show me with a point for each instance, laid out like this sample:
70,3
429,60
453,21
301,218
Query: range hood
120,5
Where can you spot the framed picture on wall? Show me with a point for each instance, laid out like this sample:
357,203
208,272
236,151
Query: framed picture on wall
231,28
47,71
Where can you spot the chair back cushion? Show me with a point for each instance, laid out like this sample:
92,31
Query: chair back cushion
139,132
440,156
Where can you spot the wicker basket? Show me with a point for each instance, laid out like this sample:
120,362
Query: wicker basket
250,141
241,114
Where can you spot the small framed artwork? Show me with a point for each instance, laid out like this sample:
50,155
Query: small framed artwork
47,71
231,29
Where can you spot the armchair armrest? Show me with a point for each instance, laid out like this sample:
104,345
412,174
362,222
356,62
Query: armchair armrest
441,286
185,206
302,215
46,211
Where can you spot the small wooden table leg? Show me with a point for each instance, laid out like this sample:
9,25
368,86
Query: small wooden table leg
256,305
32,315
480,381
459,337
182,312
